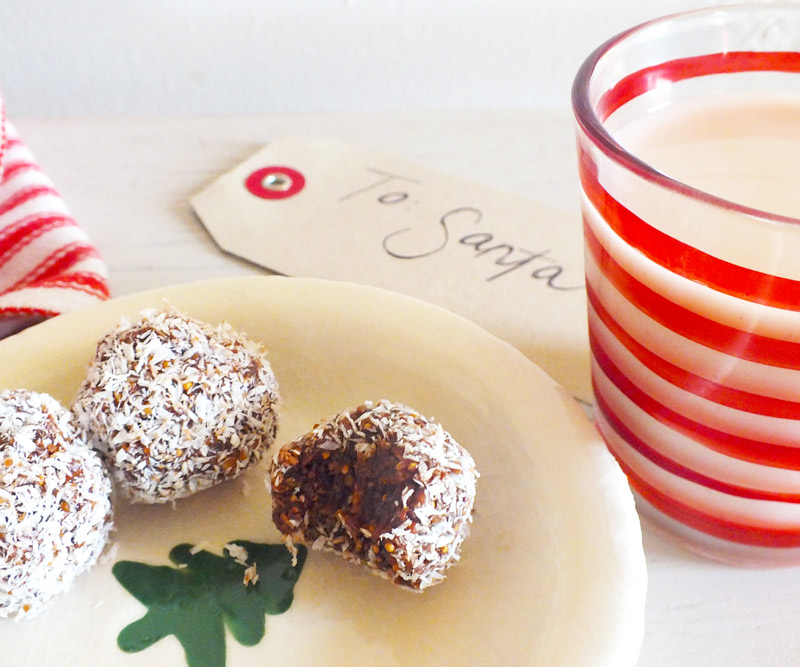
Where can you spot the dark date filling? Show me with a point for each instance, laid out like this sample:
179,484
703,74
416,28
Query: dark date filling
381,485
350,499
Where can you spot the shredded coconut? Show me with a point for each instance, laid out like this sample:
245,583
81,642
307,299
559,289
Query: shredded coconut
175,405
55,508
237,552
250,576
240,555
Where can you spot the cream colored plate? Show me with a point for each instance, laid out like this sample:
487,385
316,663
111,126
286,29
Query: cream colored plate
552,574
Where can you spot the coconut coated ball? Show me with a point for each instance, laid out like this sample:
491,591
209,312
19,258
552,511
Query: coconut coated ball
381,485
55,508
175,405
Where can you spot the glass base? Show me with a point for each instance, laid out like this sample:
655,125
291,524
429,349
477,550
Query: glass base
714,548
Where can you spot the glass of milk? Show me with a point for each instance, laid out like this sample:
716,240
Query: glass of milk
688,136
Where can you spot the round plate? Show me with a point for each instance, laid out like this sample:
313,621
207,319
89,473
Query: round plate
553,572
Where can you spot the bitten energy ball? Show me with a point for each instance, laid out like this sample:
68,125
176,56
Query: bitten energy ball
381,485
55,511
175,405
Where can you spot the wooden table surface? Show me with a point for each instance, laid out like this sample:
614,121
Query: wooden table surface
127,181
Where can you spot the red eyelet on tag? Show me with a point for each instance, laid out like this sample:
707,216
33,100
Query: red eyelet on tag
275,182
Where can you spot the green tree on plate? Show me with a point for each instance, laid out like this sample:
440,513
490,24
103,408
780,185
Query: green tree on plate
205,593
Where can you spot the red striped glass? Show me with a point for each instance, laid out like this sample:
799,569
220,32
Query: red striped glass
694,296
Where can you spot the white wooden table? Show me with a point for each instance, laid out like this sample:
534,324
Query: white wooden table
127,182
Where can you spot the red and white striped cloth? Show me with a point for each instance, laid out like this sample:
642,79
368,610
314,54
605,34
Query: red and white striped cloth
48,265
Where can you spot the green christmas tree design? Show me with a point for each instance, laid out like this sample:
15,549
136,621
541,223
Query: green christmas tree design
196,600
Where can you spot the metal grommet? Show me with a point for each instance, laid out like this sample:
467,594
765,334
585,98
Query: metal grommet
275,182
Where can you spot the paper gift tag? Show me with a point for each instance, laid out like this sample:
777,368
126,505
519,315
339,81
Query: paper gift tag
318,208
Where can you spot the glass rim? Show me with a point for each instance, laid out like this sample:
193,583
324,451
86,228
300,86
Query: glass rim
594,129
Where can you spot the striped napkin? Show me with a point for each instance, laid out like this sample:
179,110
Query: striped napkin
48,265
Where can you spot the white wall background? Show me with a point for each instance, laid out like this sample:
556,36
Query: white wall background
99,57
